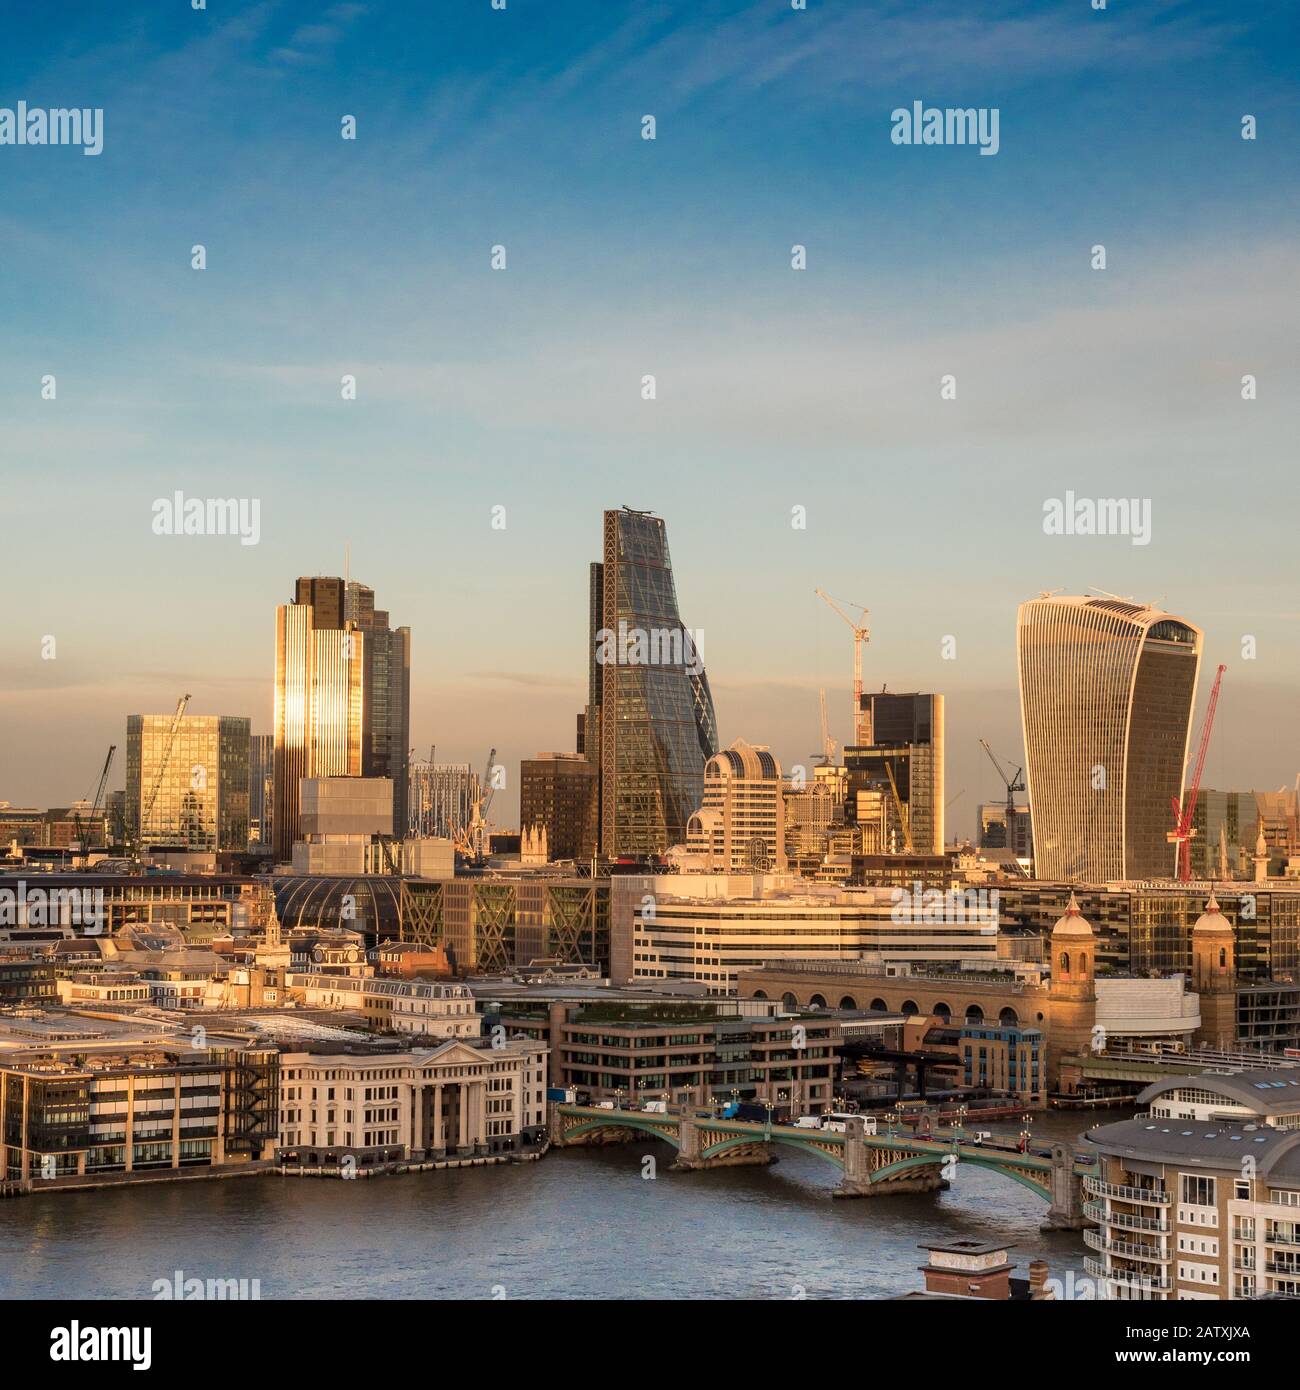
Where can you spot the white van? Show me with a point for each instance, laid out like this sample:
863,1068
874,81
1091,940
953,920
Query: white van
808,1122
655,1107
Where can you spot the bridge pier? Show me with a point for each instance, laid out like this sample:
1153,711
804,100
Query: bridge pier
1066,1211
857,1171
690,1152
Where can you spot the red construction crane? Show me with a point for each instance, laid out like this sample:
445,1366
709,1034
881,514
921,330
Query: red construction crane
1184,814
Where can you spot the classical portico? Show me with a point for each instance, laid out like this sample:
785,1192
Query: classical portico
451,1099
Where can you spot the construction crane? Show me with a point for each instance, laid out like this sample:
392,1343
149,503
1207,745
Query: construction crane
146,810
903,818
828,743
1015,783
861,634
1185,812
473,843
84,833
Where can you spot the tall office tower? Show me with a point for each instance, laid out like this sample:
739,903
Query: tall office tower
557,794
1107,690
898,775
261,789
342,696
740,825
442,797
993,829
649,723
190,790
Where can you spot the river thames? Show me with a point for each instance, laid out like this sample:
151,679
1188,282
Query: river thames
581,1223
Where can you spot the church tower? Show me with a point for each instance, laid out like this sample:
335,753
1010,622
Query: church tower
1214,977
1261,856
1072,994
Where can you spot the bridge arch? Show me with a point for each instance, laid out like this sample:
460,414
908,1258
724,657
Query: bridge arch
936,1160
737,1141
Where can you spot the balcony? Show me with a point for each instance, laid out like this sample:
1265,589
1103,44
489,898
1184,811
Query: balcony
1096,1211
1153,1283
1095,1240
1095,1187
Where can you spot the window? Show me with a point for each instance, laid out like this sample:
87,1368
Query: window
1198,1191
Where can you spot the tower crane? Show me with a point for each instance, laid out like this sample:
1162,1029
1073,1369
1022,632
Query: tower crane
861,634
1185,811
1015,783
84,833
904,819
828,743
475,842
146,810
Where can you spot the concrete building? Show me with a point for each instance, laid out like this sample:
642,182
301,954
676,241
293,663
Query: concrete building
373,1104
1199,1198
710,928
558,797
193,787
740,825
392,1005
1107,690
687,1052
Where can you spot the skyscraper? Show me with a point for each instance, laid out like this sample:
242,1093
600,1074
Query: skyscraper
342,696
1107,690
441,799
899,772
192,789
649,722
261,789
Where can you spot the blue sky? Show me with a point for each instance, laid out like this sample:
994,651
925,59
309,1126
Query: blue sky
521,388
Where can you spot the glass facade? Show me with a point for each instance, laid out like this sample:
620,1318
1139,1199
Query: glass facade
1106,695
202,799
651,723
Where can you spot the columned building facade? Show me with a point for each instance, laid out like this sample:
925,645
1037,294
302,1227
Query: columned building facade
450,1100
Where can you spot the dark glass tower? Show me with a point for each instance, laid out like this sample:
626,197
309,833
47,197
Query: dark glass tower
649,725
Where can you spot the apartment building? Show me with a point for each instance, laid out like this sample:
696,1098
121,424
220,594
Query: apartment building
1200,1198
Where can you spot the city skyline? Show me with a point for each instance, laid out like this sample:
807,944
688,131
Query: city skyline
777,389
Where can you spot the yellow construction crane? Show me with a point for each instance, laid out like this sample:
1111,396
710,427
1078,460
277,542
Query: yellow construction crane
903,818
147,809
861,634
828,743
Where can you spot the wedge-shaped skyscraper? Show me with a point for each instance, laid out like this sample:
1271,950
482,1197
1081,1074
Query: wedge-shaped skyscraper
1107,690
649,721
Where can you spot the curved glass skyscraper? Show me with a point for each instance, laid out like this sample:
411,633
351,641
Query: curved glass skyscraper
649,723
1107,690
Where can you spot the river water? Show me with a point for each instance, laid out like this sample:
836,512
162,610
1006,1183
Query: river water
580,1223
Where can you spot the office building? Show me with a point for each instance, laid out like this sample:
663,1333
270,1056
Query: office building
740,825
189,789
134,1111
1107,690
441,799
558,799
688,1052
709,928
342,697
895,781
993,829
649,725
375,1103
261,790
